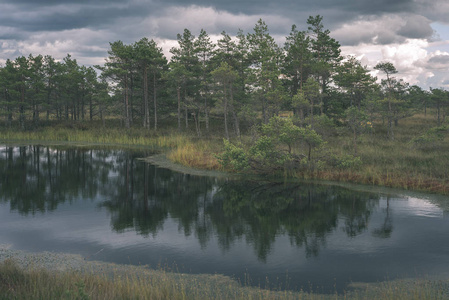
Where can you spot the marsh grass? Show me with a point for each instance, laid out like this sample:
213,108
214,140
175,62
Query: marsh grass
398,163
125,138
181,148
197,154
135,283
140,283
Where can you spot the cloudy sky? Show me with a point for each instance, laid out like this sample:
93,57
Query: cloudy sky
412,34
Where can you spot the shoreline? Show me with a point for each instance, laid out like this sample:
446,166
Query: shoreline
65,262
162,161
201,286
193,286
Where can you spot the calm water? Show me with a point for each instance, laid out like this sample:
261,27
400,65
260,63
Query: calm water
109,205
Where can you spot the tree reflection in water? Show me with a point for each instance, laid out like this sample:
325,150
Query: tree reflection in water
140,197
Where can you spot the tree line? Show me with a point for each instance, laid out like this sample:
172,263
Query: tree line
237,82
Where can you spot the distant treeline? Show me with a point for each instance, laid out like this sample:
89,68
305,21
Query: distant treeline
240,81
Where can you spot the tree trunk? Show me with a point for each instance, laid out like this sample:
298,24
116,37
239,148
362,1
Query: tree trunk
101,115
178,90
234,114
146,117
312,104
126,103
82,105
186,116
22,109
438,113
390,119
155,101
130,101
91,107
264,110
206,112
197,125
226,113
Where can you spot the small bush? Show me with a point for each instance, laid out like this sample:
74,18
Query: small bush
233,157
431,138
345,162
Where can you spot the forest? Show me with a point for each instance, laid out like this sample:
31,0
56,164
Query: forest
278,108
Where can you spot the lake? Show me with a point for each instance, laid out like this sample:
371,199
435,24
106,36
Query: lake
109,205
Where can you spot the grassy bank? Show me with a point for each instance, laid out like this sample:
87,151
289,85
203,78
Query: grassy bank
140,283
398,163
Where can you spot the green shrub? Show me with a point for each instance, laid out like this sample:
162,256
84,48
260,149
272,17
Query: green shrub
233,157
432,135
345,162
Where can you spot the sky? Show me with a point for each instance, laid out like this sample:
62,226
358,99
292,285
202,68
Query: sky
412,34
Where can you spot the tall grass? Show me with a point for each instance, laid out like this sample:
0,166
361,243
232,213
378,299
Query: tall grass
140,283
97,136
394,163
198,154
180,148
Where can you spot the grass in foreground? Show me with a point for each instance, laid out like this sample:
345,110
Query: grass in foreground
40,284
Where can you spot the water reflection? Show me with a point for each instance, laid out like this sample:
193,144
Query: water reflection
140,197
36,179
305,213
86,200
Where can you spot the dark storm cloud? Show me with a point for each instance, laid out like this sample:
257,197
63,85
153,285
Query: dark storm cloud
28,16
439,62
75,14
416,27
58,2
9,33
289,7
56,15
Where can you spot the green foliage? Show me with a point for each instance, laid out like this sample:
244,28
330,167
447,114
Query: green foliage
82,295
431,137
283,131
345,162
300,102
311,137
323,125
297,64
387,67
356,119
233,157
355,80
276,149
264,153
440,100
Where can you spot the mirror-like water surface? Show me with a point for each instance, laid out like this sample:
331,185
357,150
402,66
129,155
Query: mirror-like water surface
109,205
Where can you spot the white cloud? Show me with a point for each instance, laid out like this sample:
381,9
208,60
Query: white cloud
405,39
87,46
414,62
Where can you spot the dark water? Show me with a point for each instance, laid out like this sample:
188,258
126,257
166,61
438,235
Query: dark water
109,205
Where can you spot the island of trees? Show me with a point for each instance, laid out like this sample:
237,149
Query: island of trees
242,103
